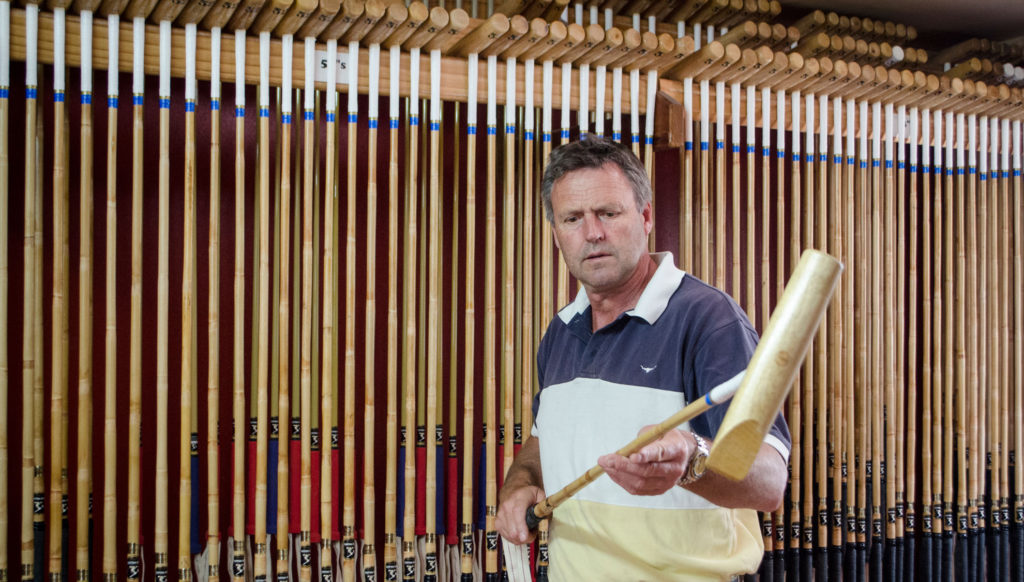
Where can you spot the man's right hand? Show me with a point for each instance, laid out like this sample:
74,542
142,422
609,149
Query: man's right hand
511,523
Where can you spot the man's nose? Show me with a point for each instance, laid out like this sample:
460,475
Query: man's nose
592,228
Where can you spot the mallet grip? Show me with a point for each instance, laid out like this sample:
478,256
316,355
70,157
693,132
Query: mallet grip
532,519
538,512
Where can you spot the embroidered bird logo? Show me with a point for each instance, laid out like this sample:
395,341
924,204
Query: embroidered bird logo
647,370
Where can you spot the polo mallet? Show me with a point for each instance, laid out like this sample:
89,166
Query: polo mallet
759,391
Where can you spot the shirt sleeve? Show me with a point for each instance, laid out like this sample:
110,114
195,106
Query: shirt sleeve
542,357
722,353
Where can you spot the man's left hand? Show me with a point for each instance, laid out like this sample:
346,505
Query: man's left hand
654,469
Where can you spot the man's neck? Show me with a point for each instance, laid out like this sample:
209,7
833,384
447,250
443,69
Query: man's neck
605,307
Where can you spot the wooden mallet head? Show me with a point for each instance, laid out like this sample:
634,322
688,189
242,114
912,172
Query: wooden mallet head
774,364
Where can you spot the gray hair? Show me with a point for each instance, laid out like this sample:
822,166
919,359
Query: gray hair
594,152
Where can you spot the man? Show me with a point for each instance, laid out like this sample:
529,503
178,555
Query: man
640,340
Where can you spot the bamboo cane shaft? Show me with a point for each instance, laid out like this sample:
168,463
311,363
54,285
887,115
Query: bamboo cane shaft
949,343
850,336
85,349
704,233
135,352
490,349
58,357
5,286
348,519
1018,387
327,332
213,342
469,337
863,244
306,348
721,207
938,373
433,350
975,346
410,331
369,398
262,285
961,332
39,484
879,385
824,409
238,353
926,326
686,188
990,317
391,422
798,511
909,462
809,372
1005,325
30,457
188,303
900,219
996,341
110,347
65,379
160,528
508,279
528,312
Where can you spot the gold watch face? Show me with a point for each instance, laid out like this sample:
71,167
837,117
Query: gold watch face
699,465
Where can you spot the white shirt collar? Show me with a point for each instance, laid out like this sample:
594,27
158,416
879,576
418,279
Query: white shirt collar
653,300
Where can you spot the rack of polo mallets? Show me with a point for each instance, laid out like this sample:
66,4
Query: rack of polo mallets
980,59
915,185
902,461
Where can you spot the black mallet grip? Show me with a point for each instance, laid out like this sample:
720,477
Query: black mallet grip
532,521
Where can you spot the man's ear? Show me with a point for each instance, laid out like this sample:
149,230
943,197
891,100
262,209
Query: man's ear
648,216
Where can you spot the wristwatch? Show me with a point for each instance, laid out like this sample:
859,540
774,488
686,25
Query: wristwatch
698,462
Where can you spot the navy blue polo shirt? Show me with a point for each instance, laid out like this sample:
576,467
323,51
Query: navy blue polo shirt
599,388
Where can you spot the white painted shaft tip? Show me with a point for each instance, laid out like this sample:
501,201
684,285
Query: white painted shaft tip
353,77
165,59
5,44
435,85
85,34
395,55
373,72
190,62
239,68
113,52
59,47
473,74
138,55
309,63
264,100
492,90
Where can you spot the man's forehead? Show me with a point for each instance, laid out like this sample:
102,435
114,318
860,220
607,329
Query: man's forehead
606,178
608,168
591,198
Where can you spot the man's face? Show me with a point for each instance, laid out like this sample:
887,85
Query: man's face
597,226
